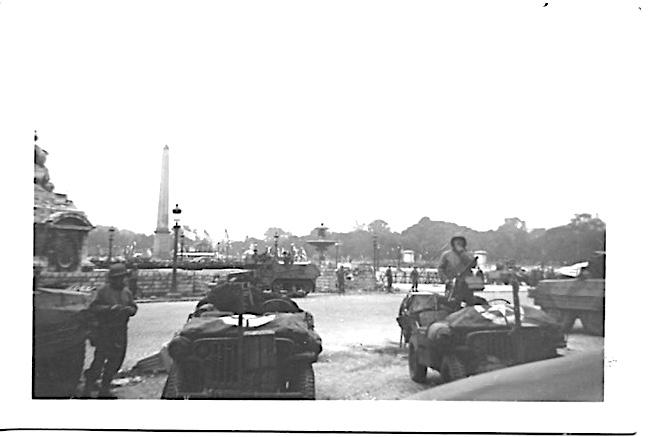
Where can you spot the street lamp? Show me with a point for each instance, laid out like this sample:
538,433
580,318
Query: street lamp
111,235
374,252
276,237
337,254
182,245
399,256
176,211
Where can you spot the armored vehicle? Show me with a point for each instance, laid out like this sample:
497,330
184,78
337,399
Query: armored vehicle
486,335
238,346
297,279
582,297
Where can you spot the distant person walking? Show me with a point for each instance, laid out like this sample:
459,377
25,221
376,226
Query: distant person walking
112,307
389,279
133,281
340,279
415,279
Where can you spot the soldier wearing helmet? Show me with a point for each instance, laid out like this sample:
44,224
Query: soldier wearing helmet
455,262
112,307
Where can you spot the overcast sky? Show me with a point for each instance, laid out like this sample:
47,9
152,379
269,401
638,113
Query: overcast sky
294,113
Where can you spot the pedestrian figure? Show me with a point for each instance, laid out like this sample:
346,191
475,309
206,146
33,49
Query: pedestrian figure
133,281
340,279
415,279
480,274
389,279
112,308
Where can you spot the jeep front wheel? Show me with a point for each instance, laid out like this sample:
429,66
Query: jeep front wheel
593,322
565,318
303,381
417,371
452,368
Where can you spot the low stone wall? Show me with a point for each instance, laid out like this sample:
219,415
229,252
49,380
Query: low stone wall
156,282
326,282
364,280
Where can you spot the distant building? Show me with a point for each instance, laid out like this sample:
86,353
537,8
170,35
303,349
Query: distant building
482,259
408,256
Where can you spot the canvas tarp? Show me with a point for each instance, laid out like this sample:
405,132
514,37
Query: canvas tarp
293,326
497,315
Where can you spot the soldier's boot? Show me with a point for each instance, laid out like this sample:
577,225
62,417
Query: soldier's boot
90,384
90,387
105,392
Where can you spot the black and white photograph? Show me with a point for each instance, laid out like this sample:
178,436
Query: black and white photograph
345,216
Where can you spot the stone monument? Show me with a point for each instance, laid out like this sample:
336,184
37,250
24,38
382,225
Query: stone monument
322,243
162,240
60,229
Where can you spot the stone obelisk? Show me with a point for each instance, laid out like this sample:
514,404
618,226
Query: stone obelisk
162,242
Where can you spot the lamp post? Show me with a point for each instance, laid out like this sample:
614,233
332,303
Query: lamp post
337,255
374,252
176,211
276,237
182,245
111,235
399,256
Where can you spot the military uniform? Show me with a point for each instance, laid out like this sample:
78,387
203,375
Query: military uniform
415,279
340,280
389,279
112,309
454,264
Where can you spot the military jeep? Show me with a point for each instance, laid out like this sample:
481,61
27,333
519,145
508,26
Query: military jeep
249,353
474,339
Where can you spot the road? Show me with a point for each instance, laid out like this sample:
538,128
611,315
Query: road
361,356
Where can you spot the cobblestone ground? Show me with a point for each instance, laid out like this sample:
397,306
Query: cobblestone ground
361,358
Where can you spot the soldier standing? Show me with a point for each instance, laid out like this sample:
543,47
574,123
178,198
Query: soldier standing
340,279
455,263
389,279
133,281
415,279
112,307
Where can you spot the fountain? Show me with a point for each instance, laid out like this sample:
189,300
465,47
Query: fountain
322,244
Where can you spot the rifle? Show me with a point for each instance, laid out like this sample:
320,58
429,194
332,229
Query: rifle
465,271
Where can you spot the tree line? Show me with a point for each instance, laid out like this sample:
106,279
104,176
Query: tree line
575,241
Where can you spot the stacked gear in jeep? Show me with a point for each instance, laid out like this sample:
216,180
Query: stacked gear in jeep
498,315
297,327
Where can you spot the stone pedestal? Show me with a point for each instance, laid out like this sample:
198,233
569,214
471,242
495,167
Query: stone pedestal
162,245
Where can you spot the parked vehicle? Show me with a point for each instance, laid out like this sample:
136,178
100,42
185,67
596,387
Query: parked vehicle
60,332
477,338
581,297
235,346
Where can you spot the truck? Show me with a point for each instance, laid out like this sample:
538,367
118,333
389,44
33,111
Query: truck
571,298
